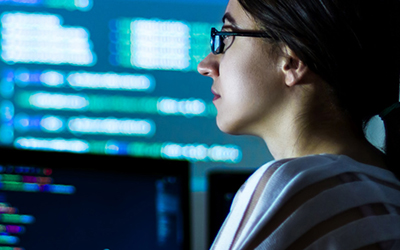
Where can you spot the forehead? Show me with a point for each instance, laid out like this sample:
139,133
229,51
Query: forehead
236,15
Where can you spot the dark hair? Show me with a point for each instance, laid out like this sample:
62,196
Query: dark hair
352,44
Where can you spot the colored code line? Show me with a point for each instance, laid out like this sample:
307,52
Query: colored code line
190,152
59,189
52,101
30,187
26,170
11,248
17,219
169,150
107,103
158,44
82,5
111,81
12,186
39,180
112,126
78,80
25,178
45,40
9,240
12,229
122,104
58,144
6,209
10,177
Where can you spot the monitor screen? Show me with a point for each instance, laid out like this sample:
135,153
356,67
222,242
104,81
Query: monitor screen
115,77
64,201
222,188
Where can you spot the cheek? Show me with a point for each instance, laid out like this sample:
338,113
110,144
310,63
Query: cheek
252,81
238,68
247,73
244,100
248,59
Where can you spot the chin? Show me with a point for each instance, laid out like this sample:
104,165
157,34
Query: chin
229,128
237,127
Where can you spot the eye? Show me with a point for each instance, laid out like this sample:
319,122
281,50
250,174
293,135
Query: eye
226,39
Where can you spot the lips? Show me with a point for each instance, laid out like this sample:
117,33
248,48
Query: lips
216,96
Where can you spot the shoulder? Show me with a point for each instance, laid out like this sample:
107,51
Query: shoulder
315,168
309,198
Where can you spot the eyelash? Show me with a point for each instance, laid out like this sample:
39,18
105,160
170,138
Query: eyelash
226,29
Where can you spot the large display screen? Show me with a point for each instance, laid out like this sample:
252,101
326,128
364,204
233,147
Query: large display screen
64,201
115,77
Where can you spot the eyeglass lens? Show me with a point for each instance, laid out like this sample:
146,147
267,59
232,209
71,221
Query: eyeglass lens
217,45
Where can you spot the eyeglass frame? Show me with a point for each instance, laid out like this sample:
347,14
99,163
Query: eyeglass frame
220,49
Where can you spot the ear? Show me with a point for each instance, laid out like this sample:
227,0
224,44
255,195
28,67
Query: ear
293,68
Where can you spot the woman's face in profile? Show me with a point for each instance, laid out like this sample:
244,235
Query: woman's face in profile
247,83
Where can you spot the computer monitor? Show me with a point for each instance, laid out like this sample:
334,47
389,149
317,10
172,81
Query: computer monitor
115,77
65,201
222,187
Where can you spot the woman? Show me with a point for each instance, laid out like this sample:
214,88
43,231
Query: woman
306,76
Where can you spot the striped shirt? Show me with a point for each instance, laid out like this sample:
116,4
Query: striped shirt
328,202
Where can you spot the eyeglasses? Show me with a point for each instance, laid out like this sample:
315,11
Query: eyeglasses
219,43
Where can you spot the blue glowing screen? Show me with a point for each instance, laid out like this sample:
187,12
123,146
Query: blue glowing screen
64,201
115,77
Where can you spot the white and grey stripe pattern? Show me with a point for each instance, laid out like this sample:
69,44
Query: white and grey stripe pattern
362,185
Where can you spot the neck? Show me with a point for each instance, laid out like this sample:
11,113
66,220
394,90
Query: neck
324,129
340,139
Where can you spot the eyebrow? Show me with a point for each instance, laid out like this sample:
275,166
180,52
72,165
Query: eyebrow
229,18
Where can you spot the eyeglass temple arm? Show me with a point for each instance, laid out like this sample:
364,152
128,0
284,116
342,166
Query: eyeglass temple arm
215,32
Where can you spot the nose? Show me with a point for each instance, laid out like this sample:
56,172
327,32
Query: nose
209,66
